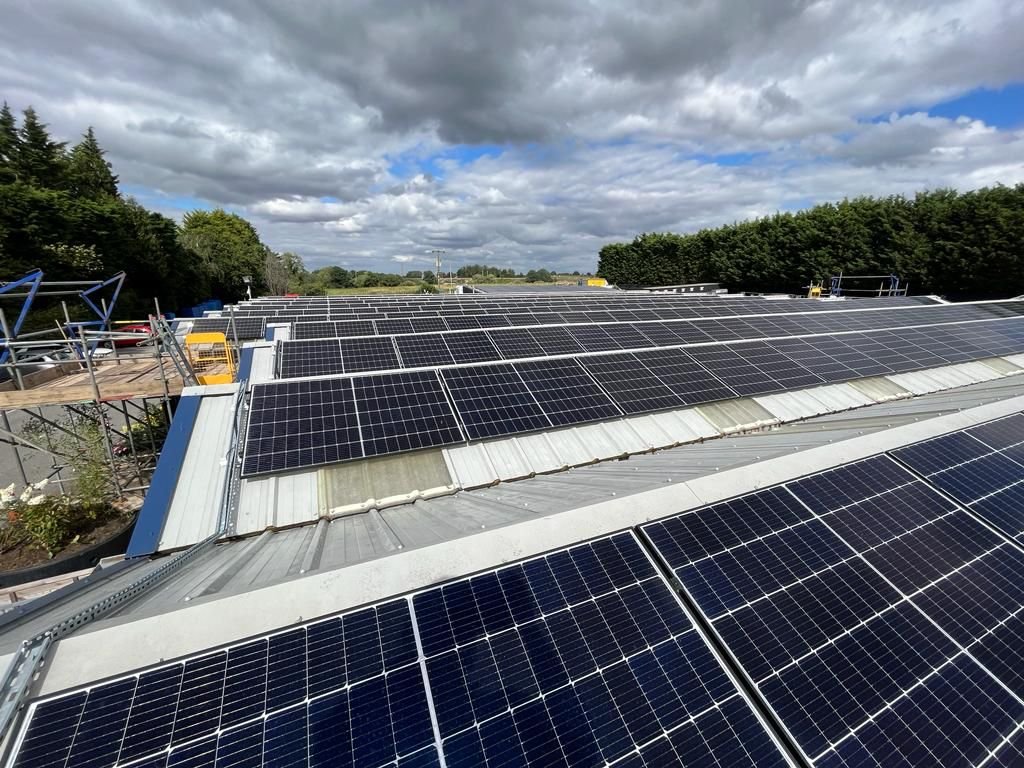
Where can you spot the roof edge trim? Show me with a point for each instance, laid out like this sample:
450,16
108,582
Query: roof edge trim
146,536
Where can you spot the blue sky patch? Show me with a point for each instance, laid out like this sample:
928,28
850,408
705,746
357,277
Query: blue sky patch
408,164
729,158
1002,108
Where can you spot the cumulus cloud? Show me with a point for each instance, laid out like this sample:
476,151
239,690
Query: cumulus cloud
608,118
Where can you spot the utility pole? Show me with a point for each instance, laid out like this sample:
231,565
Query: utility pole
438,253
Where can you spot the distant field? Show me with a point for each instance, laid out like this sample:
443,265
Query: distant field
366,291
445,285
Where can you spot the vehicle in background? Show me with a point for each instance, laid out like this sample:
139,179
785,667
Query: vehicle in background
140,330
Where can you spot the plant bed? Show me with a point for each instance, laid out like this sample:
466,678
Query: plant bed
37,528
30,562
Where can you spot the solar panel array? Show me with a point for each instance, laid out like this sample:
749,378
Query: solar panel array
521,343
866,615
556,308
244,327
722,319
879,621
581,657
325,421
982,468
304,427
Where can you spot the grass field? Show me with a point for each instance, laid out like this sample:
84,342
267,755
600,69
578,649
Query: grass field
445,285
378,290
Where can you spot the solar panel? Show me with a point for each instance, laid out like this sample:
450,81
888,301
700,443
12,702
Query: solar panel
582,657
687,378
300,424
427,324
981,467
555,341
377,354
354,328
631,385
493,400
245,327
753,368
627,336
566,392
309,358
817,362
393,325
461,322
424,350
322,330
404,412
492,321
471,347
845,599
660,334
594,338
516,343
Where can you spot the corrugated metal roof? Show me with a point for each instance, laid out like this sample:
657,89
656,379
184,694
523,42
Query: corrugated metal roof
248,563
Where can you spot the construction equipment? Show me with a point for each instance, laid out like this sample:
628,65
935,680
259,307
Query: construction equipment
210,357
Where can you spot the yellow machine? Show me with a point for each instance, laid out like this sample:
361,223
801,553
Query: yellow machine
211,358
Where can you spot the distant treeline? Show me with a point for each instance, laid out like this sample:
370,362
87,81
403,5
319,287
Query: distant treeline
968,245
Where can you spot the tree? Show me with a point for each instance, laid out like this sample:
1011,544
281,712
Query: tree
333,277
429,277
229,248
9,143
965,246
40,159
88,174
275,274
414,274
539,276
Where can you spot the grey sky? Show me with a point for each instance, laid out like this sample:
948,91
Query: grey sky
528,133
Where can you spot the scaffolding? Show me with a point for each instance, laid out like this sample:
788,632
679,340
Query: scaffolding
83,381
888,285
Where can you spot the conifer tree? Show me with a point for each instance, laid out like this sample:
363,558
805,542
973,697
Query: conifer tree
40,159
8,145
88,173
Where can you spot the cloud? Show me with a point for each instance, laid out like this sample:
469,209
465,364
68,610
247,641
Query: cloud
606,116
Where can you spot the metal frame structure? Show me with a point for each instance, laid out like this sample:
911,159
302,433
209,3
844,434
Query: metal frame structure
132,453
895,286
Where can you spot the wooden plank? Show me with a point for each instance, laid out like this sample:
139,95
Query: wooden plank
127,381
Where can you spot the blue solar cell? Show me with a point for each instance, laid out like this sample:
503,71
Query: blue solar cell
285,741
363,655
403,412
200,754
397,640
245,684
98,739
493,400
241,746
566,392
286,669
330,734
152,714
199,700
325,647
